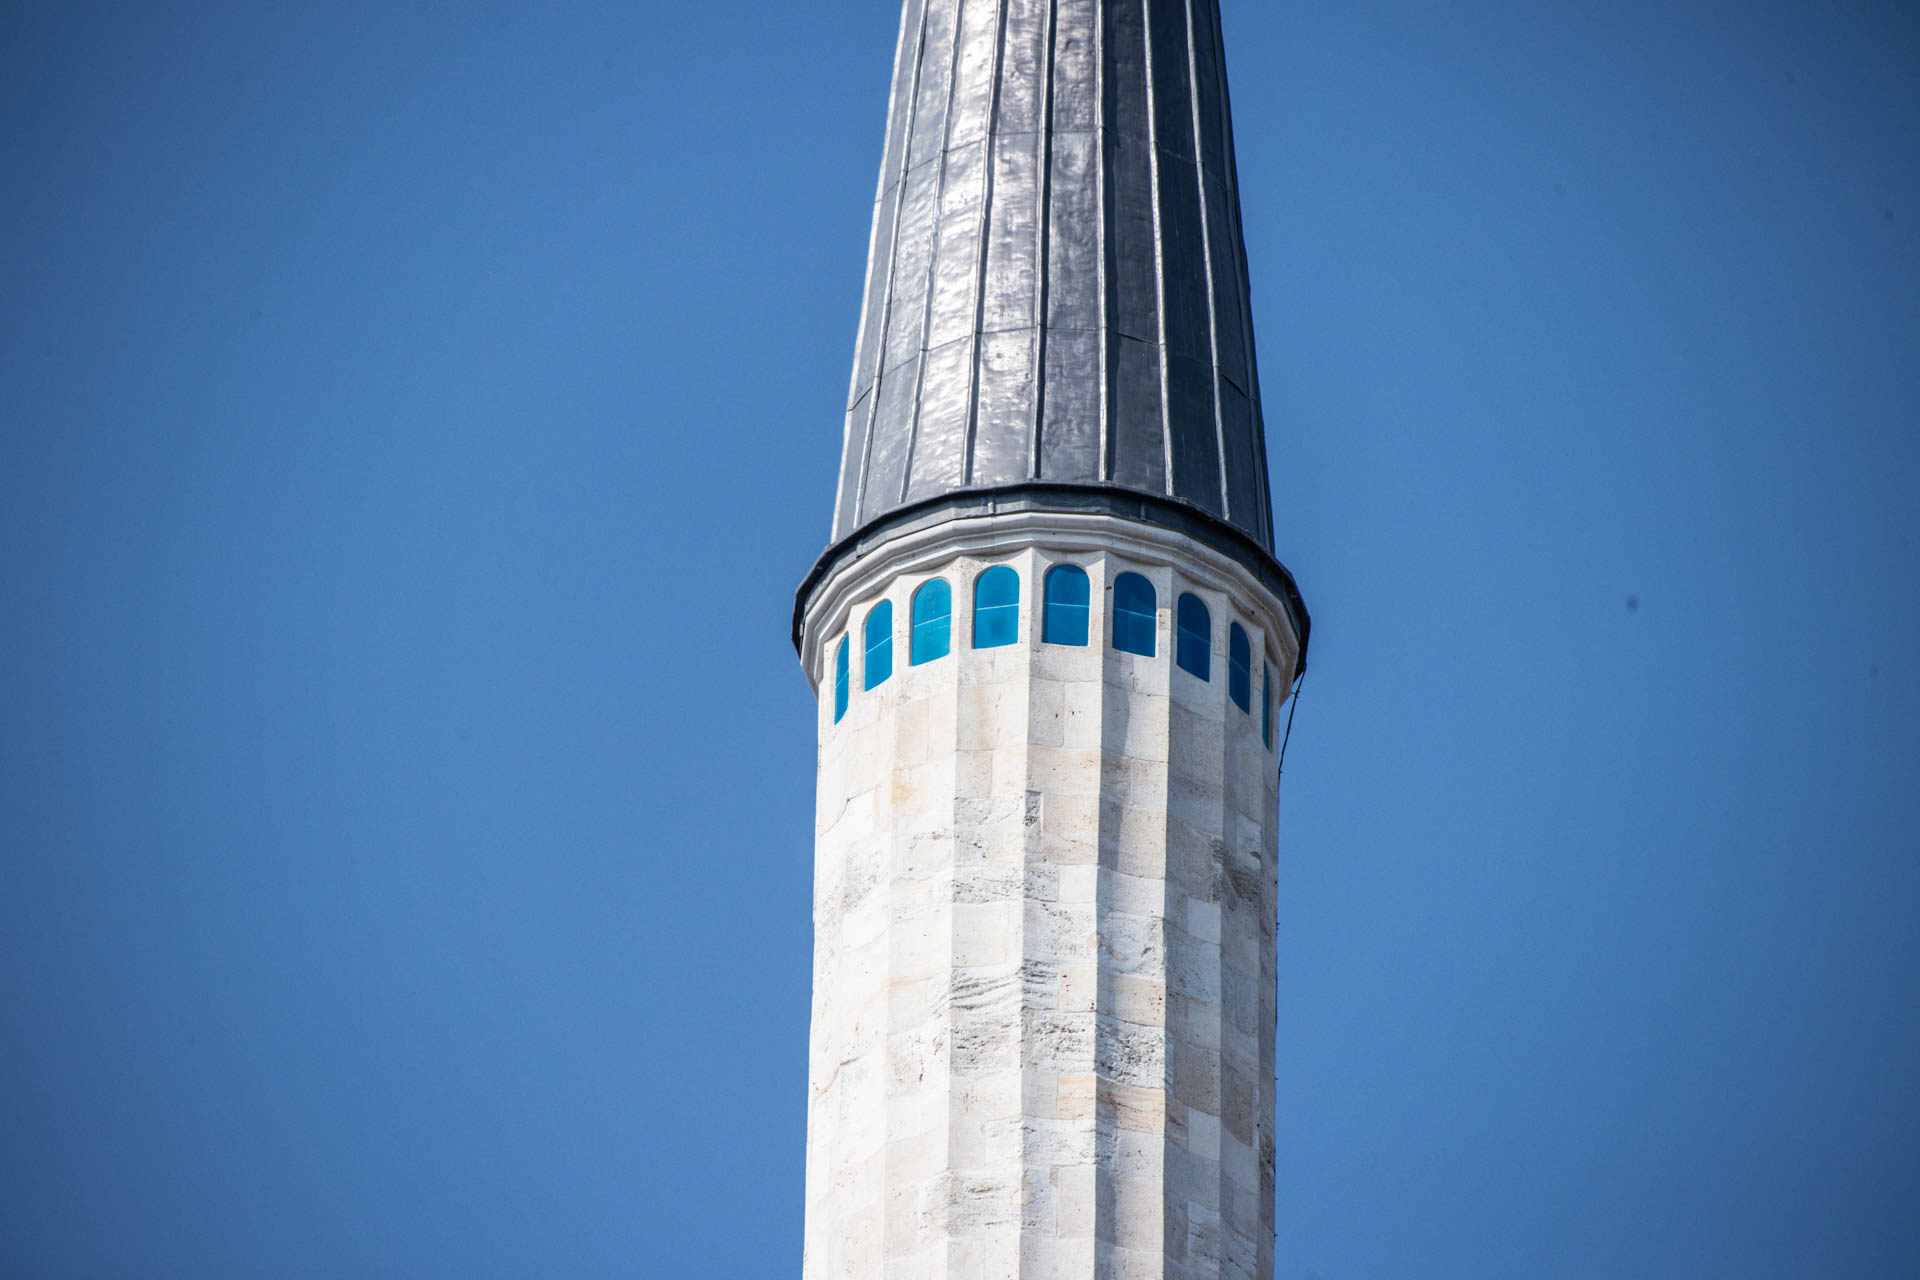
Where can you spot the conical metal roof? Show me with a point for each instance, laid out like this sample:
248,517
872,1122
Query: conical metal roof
1057,286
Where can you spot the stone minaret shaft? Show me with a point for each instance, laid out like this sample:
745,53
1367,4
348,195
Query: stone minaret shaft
1052,645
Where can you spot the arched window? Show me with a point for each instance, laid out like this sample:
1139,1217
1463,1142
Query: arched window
1133,614
996,608
1266,704
840,675
932,622
1193,650
1065,620
1239,668
879,642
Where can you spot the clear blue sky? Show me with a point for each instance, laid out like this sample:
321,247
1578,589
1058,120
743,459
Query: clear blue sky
414,419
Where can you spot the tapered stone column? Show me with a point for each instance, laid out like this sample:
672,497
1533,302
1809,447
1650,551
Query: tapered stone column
1044,972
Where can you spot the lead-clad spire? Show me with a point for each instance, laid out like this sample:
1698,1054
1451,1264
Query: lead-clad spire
1057,288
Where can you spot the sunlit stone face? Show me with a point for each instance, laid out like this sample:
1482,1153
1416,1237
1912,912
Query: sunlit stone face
1044,979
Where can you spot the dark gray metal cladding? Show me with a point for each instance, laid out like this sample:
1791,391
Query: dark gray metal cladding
1057,286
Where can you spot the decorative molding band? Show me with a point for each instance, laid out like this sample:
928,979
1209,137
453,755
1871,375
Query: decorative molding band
832,599
1184,525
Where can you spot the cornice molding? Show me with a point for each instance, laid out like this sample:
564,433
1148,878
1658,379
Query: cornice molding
825,608
1173,514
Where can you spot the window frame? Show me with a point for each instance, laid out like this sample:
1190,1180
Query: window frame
998,613
1193,649
883,614
1146,623
1240,668
1051,608
842,677
930,638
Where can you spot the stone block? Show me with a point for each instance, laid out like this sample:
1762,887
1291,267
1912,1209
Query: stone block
911,737
1132,1108
1059,1256
1194,1077
1062,771
1239,1162
1079,885
1077,1098
1133,840
1140,784
1067,663
1051,1143
1084,707
1203,920
976,1142
1203,1134
1062,934
1010,769
1128,1054
1070,828
1131,943
1204,1243
986,933
1039,983
1238,1106
1135,998
1240,1003
982,1206
1243,1258
1240,948
1000,882
973,774
1132,894
1047,715
1139,1212
1193,968
1198,803
1135,725
1080,987
1193,1022
1059,1042
921,949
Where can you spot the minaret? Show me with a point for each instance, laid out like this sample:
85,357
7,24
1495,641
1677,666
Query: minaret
1052,644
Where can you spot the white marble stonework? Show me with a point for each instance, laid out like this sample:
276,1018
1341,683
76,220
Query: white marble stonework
1043,1015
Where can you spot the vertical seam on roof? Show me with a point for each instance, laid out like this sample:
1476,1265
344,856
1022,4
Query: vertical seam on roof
855,398
1043,220
1103,194
893,256
1262,530
1206,258
1159,246
933,256
1098,154
989,160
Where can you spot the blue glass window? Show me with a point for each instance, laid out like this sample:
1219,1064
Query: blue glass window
932,622
840,678
1133,612
1065,620
1193,650
1266,704
1239,668
879,638
996,608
